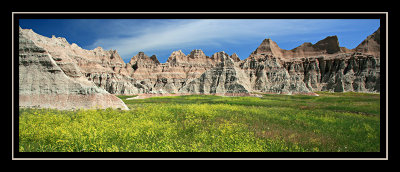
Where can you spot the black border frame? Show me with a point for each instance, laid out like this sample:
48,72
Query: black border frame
383,154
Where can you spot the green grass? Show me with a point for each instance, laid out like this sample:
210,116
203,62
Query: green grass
332,122
123,97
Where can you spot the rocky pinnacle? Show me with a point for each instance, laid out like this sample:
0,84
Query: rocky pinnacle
55,73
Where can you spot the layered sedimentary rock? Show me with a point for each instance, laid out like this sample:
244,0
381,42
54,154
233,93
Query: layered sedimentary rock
371,45
171,76
324,66
269,75
225,77
105,68
327,46
341,73
67,69
45,84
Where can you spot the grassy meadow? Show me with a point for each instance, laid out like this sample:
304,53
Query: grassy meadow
331,122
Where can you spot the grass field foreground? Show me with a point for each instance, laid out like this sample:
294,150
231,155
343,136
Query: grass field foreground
331,122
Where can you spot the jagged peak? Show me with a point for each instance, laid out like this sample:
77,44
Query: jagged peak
375,36
370,45
174,55
327,39
99,48
142,58
141,55
330,44
306,44
267,45
27,30
267,40
197,50
197,53
154,58
220,52
178,52
235,57
220,55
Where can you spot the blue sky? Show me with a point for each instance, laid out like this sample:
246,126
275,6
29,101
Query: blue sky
163,36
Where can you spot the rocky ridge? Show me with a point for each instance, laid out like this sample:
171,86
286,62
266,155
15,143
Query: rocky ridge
324,66
44,83
371,45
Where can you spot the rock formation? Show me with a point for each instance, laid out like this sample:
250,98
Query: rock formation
324,66
329,45
225,77
371,45
57,70
45,84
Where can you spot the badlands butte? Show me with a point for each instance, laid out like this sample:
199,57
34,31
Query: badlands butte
56,74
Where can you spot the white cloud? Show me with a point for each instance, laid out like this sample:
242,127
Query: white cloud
178,34
167,35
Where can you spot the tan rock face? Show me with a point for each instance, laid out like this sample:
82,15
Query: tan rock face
172,75
223,78
327,46
69,71
324,66
45,84
235,57
269,47
371,45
